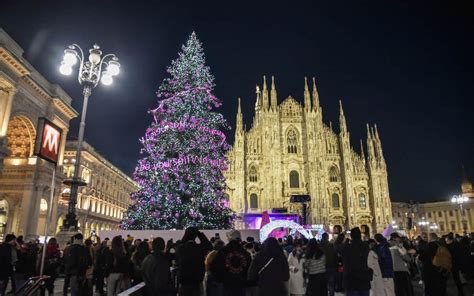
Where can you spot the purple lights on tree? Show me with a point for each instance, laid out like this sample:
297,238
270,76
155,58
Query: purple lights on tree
180,176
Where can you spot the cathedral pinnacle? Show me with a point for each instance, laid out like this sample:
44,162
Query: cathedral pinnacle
273,94
307,98
239,117
362,154
265,94
315,96
342,119
258,102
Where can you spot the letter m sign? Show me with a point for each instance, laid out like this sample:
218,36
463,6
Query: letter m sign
48,140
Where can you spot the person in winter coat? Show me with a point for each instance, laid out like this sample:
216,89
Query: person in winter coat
140,253
357,275
51,264
331,263
400,258
190,259
25,267
213,287
459,259
270,269
315,269
119,268
296,263
100,265
435,277
156,271
385,263
77,261
376,285
231,264
8,258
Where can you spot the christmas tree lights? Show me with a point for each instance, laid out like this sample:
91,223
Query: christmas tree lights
181,174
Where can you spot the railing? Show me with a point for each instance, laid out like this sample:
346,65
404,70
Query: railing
136,290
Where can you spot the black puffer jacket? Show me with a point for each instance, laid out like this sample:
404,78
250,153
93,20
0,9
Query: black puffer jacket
231,264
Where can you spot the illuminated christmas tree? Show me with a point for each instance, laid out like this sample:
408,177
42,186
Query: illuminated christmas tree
181,174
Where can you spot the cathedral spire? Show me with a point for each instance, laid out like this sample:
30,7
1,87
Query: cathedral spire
258,102
265,94
342,119
362,154
273,94
239,120
315,96
307,97
370,145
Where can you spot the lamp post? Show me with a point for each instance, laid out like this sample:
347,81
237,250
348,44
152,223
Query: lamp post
90,72
460,200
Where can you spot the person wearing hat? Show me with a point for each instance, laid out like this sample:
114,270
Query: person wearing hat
231,264
400,259
356,275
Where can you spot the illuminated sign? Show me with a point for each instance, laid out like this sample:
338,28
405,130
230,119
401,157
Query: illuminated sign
48,140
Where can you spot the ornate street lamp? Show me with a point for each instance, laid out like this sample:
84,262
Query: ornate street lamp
460,200
90,72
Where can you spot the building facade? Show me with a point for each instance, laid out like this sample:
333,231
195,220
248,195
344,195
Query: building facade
440,217
25,180
290,150
100,204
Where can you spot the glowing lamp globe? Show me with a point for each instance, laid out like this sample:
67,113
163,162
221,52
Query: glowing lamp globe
113,68
107,79
69,57
453,199
65,69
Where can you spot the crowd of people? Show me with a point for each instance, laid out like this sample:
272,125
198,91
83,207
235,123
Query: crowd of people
349,263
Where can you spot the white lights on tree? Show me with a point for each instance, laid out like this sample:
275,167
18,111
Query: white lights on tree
107,79
65,69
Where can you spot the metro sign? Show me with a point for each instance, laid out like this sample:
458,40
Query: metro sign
48,140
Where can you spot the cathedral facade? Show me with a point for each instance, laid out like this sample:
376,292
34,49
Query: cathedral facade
289,150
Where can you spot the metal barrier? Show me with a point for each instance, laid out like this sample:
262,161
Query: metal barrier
32,286
136,290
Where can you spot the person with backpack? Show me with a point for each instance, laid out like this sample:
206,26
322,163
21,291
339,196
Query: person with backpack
156,271
231,264
270,270
77,261
385,263
118,268
436,264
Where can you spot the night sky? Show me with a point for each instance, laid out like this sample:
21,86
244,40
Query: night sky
407,66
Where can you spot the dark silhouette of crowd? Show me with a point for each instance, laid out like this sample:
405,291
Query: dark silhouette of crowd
349,263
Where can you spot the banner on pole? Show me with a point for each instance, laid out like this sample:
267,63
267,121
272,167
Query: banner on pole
48,140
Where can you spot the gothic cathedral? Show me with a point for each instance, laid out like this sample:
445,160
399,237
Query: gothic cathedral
290,150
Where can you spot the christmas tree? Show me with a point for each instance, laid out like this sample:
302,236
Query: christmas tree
181,174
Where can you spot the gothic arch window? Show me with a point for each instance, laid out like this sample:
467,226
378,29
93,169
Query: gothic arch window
253,201
333,174
253,176
362,201
292,141
335,201
294,179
